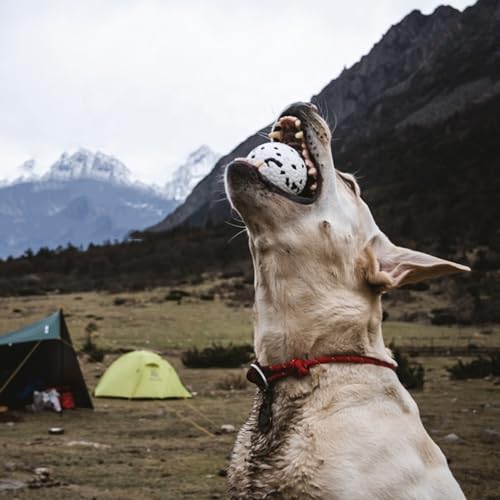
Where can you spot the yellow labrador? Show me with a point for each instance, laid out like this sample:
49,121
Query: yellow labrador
323,427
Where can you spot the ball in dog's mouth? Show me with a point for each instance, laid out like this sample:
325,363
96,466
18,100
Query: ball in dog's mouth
286,162
281,165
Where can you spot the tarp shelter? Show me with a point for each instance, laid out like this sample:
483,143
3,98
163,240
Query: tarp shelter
141,375
37,357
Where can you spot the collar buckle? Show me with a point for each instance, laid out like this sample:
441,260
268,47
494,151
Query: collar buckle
258,377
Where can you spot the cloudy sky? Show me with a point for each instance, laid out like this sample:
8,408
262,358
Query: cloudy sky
148,81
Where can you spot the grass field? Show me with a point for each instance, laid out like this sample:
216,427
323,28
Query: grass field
174,449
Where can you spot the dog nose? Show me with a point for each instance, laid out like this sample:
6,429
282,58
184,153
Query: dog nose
299,109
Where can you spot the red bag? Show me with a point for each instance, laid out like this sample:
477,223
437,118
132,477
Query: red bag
67,400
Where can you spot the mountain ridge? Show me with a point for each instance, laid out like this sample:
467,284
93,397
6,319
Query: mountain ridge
422,72
86,197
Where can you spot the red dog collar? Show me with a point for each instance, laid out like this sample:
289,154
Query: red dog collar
264,376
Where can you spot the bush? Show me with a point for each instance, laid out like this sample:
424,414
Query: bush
477,368
207,296
232,382
218,356
89,347
410,373
176,295
90,328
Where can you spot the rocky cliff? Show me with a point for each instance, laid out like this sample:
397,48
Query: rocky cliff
416,121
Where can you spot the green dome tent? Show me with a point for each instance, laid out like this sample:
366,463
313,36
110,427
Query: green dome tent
140,375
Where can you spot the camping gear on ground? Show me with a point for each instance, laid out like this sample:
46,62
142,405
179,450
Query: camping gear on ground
46,400
67,400
56,430
141,375
37,357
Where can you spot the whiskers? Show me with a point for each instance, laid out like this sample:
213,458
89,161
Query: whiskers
239,233
264,135
235,225
242,227
324,111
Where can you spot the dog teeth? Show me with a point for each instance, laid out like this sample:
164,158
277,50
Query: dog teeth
314,186
298,123
275,135
312,171
299,135
309,163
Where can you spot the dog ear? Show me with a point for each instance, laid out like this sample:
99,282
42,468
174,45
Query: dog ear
390,266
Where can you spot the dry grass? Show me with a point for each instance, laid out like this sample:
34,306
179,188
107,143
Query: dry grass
172,449
145,319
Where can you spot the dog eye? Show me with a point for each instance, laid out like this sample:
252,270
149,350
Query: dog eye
351,184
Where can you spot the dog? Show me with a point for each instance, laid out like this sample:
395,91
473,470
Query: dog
331,419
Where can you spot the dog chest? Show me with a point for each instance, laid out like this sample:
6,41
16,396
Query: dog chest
281,463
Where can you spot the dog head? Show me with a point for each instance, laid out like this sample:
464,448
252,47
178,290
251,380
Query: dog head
321,252
329,222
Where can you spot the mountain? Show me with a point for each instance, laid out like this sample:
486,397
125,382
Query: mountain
84,197
85,164
197,165
417,121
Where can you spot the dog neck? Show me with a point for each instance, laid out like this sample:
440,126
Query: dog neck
302,312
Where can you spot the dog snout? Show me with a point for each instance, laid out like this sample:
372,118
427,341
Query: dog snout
300,109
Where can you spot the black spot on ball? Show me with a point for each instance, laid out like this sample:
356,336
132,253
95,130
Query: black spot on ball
282,172
294,166
287,182
274,161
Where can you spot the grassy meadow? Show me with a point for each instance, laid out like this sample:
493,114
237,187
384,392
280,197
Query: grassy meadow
175,449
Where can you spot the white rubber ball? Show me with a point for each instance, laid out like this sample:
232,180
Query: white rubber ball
283,166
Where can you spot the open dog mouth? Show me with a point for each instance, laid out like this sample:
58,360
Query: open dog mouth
291,130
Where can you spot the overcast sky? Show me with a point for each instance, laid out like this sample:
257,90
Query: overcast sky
148,81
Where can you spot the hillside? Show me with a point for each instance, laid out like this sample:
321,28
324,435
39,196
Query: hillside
417,120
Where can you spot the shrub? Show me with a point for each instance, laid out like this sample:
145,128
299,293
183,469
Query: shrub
232,382
218,356
176,295
477,368
89,347
410,373
207,296
90,328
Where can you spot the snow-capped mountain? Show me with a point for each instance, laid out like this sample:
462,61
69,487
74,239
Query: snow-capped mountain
85,164
85,197
197,165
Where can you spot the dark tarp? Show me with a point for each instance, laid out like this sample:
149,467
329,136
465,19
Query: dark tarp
37,357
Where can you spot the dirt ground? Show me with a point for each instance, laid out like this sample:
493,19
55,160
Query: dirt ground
175,449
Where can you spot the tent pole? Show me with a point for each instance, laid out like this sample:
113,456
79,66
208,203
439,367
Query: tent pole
61,370
21,364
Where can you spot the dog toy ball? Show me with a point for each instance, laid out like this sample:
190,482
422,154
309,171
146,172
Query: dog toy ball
281,165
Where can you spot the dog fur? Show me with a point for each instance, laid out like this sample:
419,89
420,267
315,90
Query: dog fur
345,431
